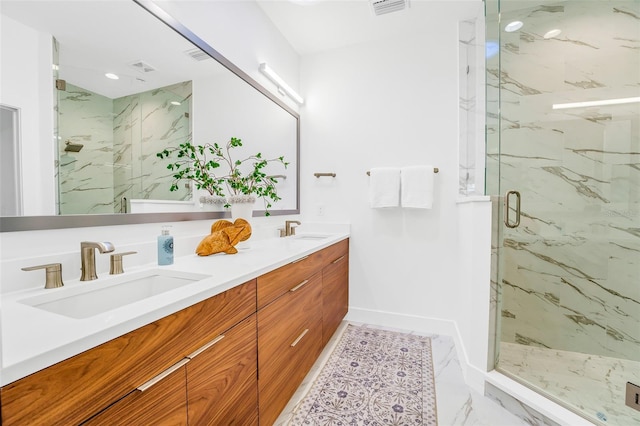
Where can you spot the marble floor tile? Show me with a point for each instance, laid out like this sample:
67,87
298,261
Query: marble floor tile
457,404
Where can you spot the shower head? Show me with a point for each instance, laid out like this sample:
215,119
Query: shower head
72,147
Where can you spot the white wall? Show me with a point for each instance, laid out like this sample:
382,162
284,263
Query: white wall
29,87
395,103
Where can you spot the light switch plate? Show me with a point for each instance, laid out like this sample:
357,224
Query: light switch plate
632,398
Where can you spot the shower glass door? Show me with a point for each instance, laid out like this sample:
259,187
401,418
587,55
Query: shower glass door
563,130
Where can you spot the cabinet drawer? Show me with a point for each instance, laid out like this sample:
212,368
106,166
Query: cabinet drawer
334,252
289,341
222,380
275,283
77,388
163,404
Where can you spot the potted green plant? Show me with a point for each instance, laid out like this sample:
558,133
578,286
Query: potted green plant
241,181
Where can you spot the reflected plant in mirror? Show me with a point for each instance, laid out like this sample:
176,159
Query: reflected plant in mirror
240,180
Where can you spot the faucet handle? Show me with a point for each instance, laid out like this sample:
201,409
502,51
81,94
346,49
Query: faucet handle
53,278
116,262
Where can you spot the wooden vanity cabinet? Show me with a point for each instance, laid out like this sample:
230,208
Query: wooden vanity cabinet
235,358
335,288
76,389
289,341
300,305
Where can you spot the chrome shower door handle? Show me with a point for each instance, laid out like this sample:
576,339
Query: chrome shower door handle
507,209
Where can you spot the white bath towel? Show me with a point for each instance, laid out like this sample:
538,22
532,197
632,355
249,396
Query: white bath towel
384,187
417,187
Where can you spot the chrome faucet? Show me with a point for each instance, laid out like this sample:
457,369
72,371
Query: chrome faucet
88,257
288,229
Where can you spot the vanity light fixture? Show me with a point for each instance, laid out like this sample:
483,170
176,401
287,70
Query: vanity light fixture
176,103
552,33
278,81
112,76
513,26
603,102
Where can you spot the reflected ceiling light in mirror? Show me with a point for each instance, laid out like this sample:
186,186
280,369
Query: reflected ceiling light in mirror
603,102
491,49
112,76
176,103
513,26
278,81
552,33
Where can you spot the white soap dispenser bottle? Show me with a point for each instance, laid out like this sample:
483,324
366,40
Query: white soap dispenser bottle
165,247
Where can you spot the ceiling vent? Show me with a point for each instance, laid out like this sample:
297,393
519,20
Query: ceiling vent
142,66
381,7
197,54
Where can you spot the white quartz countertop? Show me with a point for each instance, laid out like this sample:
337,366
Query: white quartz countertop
33,338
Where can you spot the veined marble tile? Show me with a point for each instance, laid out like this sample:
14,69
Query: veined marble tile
591,384
516,407
85,177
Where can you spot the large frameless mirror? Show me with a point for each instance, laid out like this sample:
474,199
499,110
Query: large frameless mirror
87,141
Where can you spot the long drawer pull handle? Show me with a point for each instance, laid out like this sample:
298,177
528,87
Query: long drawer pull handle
165,373
295,342
300,260
298,286
205,347
338,260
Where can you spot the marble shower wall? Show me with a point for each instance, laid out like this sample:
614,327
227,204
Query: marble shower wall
468,102
120,140
471,108
144,125
570,273
85,178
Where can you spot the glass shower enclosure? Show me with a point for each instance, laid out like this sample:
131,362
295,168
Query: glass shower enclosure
563,155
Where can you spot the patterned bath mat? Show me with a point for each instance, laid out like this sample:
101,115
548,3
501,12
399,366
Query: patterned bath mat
375,378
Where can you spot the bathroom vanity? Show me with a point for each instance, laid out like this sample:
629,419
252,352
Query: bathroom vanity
230,348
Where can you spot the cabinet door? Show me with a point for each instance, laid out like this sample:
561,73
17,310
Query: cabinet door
335,295
163,404
289,342
222,380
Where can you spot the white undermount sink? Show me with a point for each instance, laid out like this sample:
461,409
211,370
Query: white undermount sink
314,237
91,298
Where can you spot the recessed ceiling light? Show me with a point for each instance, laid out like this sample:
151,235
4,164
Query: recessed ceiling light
513,26
112,76
176,103
552,33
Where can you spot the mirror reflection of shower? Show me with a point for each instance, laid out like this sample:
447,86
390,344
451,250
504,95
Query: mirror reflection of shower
108,154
